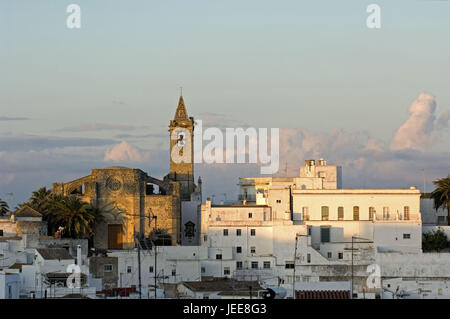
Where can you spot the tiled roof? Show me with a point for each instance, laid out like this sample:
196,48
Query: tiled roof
223,285
27,211
54,253
322,294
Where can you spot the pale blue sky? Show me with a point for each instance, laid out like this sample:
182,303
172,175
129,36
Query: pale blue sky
290,64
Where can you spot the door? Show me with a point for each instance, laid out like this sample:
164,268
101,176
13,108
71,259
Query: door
115,236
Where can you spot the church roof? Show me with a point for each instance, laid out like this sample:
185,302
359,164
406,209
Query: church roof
181,113
27,211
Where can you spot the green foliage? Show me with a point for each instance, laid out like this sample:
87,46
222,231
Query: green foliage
76,216
434,241
441,195
4,208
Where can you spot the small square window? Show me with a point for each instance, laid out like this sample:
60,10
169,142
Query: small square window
238,249
329,255
252,232
340,255
289,265
203,270
225,232
219,256
406,236
250,215
239,264
254,265
226,271
108,267
266,265
129,269
238,232
253,249
278,201
150,269
174,272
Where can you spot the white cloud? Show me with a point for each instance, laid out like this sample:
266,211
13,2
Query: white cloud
416,132
125,152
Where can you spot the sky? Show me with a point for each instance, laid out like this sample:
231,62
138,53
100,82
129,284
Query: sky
375,101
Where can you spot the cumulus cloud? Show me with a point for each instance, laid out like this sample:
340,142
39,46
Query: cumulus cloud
417,131
443,120
125,152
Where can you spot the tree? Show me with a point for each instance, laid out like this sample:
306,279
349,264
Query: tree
4,208
77,217
434,241
39,199
441,195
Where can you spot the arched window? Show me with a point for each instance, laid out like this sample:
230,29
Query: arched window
406,213
355,212
325,212
371,212
340,213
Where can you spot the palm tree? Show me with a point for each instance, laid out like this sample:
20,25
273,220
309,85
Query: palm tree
39,199
77,217
4,208
441,195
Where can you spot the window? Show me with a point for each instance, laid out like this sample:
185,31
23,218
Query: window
252,232
406,236
325,211
226,271
355,212
250,215
289,264
340,213
174,272
129,269
203,270
253,249
309,230
238,232
218,256
205,237
239,264
330,254
266,265
254,265
238,249
371,212
205,296
107,268
225,232
385,212
278,201
308,258
406,213
340,255
325,234
305,211
150,269
1,232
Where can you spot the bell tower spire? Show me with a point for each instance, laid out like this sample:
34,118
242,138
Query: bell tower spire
181,130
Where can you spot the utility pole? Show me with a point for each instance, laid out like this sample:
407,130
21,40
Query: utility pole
139,265
156,227
295,259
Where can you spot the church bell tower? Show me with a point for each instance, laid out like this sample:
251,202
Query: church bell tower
181,130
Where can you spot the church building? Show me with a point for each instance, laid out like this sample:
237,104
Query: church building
133,202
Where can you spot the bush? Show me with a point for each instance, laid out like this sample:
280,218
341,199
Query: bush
435,240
